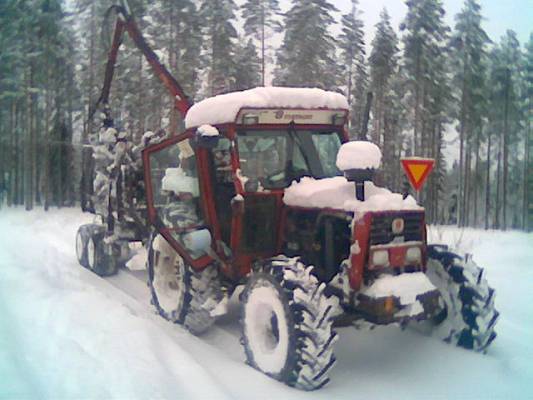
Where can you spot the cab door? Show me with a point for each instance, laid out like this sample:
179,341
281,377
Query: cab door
176,207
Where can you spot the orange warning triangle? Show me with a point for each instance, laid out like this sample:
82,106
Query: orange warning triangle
417,170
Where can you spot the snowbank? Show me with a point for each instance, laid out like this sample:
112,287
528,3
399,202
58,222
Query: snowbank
358,155
68,334
224,108
338,193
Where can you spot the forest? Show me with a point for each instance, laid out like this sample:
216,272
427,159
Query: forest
429,82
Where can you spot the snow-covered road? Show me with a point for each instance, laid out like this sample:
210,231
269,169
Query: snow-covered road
68,334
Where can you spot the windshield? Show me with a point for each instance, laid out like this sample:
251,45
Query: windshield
275,158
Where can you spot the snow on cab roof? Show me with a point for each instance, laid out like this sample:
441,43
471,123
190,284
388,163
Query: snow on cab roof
224,108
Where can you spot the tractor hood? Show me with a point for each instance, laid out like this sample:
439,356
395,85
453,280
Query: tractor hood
338,193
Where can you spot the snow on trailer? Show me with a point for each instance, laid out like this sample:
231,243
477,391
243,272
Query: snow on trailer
225,108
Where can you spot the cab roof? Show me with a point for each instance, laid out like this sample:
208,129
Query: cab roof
225,108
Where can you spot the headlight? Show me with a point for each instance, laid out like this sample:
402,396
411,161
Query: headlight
380,258
413,255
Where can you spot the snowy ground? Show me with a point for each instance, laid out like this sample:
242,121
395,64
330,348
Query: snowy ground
68,334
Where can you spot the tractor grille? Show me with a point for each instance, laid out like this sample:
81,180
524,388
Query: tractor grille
381,228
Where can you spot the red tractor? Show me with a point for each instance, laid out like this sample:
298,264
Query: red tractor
252,194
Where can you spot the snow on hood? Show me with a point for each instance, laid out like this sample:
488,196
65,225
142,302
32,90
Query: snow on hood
358,155
224,108
338,193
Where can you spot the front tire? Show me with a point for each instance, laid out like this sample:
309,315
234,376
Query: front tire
179,293
287,324
469,316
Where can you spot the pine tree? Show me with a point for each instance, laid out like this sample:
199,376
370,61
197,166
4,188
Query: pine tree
528,136
247,66
220,34
260,22
468,42
505,114
173,30
307,53
426,69
383,64
352,45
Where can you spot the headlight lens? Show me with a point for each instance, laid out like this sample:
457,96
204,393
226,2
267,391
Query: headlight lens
413,255
380,258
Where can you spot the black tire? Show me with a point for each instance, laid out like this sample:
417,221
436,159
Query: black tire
287,322
82,237
101,257
469,316
179,293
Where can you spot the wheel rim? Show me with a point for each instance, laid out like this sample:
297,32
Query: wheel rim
266,328
168,282
91,253
79,246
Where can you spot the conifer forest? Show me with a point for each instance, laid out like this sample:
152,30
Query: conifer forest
435,89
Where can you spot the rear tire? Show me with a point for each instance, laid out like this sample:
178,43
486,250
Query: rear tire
179,293
287,324
469,315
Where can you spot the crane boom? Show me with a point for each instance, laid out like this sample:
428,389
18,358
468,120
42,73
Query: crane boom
126,23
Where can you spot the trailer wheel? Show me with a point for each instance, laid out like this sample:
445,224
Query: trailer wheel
287,324
82,237
101,259
468,316
179,293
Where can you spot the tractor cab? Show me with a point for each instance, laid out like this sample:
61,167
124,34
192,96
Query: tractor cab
224,178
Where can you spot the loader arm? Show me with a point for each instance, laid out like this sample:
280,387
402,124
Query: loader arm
126,23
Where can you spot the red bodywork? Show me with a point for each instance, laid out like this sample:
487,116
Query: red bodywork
362,256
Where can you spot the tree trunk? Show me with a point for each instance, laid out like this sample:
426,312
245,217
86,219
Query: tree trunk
487,185
526,199
46,141
498,189
28,153
86,169
476,175
13,151
505,148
